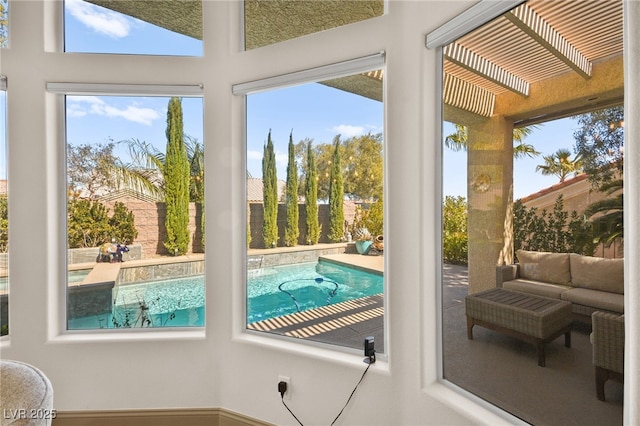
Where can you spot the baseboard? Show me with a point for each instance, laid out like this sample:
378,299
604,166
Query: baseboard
164,417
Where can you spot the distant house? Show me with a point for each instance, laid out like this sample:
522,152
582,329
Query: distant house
254,190
3,187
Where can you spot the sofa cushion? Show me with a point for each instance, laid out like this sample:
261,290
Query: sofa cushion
597,273
544,266
538,288
597,299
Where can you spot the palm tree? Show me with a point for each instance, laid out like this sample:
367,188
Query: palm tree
607,214
560,164
458,141
145,172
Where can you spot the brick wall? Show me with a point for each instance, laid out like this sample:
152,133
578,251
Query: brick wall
149,218
256,218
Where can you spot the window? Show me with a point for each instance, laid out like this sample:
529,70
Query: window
128,28
533,180
4,214
135,192
275,21
4,23
315,155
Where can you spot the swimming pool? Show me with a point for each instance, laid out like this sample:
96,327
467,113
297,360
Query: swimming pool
282,290
72,277
271,292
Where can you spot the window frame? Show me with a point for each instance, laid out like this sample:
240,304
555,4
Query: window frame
376,61
57,92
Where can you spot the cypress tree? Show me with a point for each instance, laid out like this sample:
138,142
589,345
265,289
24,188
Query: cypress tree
176,182
336,196
269,195
311,198
292,230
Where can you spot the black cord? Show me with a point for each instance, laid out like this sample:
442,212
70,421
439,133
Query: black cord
372,359
354,391
294,416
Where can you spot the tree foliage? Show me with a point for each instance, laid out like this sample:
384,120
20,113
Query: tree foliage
90,169
195,155
600,144
176,182
269,195
311,197
4,23
336,196
459,141
370,218
123,224
557,231
560,164
362,166
292,230
89,224
454,230
607,215
4,224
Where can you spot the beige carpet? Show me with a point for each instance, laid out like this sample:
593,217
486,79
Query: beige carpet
505,372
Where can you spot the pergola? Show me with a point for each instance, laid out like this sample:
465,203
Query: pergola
540,61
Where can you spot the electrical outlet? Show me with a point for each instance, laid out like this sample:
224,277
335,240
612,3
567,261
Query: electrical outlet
287,380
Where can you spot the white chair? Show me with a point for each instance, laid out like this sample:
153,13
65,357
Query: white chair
26,395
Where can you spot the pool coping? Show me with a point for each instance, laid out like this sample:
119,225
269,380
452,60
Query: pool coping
367,263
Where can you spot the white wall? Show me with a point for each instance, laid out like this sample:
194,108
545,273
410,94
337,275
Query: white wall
222,367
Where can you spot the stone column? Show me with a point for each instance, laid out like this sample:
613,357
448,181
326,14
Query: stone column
490,199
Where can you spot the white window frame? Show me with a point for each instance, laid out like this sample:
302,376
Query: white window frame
60,90
312,75
467,21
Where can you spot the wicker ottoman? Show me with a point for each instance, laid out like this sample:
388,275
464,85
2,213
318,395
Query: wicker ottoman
534,319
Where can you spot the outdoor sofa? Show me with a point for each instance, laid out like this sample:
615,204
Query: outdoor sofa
608,349
589,283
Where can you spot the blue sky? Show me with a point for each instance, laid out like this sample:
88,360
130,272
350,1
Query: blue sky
546,138
310,111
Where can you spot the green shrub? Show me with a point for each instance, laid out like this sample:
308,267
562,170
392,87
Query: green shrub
557,231
4,224
89,224
122,224
454,230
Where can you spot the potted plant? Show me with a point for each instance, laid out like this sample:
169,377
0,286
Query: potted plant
363,240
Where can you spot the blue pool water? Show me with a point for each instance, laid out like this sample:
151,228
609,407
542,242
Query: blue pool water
271,292
72,277
303,289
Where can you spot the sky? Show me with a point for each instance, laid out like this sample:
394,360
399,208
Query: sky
547,138
308,111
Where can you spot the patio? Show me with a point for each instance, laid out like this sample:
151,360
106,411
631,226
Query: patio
503,370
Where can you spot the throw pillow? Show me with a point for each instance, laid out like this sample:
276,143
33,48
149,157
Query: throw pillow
544,266
597,273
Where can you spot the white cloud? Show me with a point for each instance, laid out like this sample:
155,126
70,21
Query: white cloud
348,131
254,155
282,160
100,20
79,106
